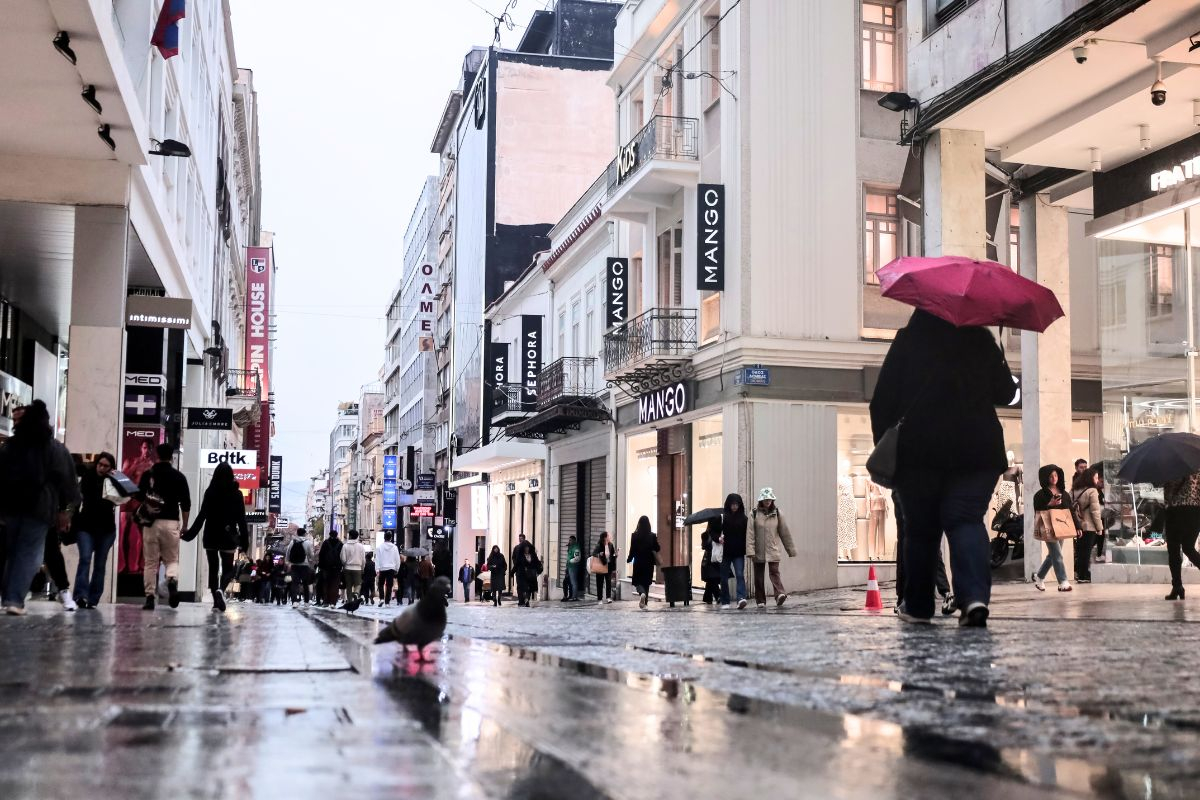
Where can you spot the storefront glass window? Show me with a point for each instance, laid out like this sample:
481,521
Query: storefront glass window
866,518
641,480
707,482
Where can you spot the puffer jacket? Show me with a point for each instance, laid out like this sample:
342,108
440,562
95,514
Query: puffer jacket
765,534
1088,502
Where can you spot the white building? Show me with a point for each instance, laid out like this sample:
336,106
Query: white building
342,439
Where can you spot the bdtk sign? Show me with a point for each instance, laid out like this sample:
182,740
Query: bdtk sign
616,303
210,457
669,401
710,259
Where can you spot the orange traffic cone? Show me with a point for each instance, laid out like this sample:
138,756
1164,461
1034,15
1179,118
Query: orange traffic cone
874,601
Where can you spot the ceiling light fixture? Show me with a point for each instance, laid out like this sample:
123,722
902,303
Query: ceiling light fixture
1095,152
105,134
170,147
89,96
62,43
1144,136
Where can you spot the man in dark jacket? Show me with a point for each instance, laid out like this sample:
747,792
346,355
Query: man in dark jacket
944,383
329,561
160,539
733,540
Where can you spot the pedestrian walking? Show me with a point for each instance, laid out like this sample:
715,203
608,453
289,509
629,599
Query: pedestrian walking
710,568
944,383
575,570
604,565
940,581
95,527
222,517
1051,497
1182,500
354,558
368,579
1086,506
299,556
568,584
767,539
643,554
466,575
734,524
410,581
37,486
329,562
480,568
166,489
527,567
497,567
443,562
387,561
424,578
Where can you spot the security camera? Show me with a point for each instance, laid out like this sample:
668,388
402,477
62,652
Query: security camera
1158,93
1080,53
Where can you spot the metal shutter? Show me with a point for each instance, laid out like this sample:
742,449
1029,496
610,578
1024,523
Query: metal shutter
597,502
568,510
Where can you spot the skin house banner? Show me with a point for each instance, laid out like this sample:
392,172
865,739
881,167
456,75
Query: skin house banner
258,316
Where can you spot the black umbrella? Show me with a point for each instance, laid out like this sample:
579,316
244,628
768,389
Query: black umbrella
704,515
1167,457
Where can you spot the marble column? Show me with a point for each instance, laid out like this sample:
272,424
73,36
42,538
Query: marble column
1046,364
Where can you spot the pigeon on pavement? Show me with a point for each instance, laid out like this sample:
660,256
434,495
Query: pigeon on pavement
422,623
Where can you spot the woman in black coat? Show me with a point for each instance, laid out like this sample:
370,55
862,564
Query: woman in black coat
497,568
710,572
944,382
642,547
96,530
223,517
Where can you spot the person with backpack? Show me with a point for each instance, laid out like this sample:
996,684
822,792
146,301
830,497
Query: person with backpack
329,561
299,554
166,506
387,561
37,486
1086,507
222,517
767,538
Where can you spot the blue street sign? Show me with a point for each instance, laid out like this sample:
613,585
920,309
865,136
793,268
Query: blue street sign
389,492
391,467
753,376
389,519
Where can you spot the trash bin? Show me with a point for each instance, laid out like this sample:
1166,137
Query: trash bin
677,581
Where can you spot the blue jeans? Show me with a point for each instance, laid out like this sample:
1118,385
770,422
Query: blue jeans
92,547
1053,558
934,502
729,568
26,538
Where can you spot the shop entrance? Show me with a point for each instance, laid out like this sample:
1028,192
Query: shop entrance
673,480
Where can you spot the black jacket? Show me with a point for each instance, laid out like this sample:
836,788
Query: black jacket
171,485
945,382
497,567
1041,500
642,547
223,515
733,528
96,516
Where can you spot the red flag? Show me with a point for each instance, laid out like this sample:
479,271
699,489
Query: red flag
166,31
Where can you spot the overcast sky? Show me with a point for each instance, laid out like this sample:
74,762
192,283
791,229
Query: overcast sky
349,99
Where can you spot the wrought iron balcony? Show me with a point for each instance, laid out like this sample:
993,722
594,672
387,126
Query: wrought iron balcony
659,334
568,395
243,383
663,138
507,403
566,379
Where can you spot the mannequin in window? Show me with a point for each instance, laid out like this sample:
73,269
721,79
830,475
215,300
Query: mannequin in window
877,523
847,530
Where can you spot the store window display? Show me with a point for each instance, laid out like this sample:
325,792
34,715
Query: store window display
866,526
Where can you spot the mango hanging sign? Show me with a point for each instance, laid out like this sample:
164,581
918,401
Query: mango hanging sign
710,227
669,401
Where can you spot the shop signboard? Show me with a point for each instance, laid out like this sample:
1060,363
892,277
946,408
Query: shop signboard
209,419
1146,177
498,363
663,403
391,467
426,480
753,376
211,456
616,292
427,495
534,483
247,478
531,359
710,228
389,491
143,405
258,314
405,484
256,517
388,519
145,311
275,492
421,511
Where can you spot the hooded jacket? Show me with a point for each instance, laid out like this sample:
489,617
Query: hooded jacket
733,528
1042,500
768,530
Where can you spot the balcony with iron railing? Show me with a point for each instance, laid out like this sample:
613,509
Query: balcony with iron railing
508,403
243,383
660,159
568,395
649,343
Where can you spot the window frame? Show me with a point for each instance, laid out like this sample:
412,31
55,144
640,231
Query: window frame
871,235
868,41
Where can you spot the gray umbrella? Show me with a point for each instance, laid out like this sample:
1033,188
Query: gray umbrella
704,515
417,552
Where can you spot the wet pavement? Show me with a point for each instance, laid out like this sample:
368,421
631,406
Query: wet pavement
1060,697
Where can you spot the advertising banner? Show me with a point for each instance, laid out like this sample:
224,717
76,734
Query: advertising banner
391,467
389,492
13,395
247,478
211,456
208,419
258,314
710,228
421,511
616,292
275,494
388,520
530,359
143,406
497,363
426,480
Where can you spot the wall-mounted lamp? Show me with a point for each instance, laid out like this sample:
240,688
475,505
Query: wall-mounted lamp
89,96
170,147
902,102
105,134
1144,136
62,43
1095,152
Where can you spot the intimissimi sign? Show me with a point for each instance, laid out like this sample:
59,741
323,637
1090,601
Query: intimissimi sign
530,359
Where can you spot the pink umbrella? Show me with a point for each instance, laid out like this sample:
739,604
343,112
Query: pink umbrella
964,292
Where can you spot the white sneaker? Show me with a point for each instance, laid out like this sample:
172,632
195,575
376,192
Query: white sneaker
1065,586
1038,583
780,599
761,605
608,600
741,604
67,600
14,611
724,606
645,598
